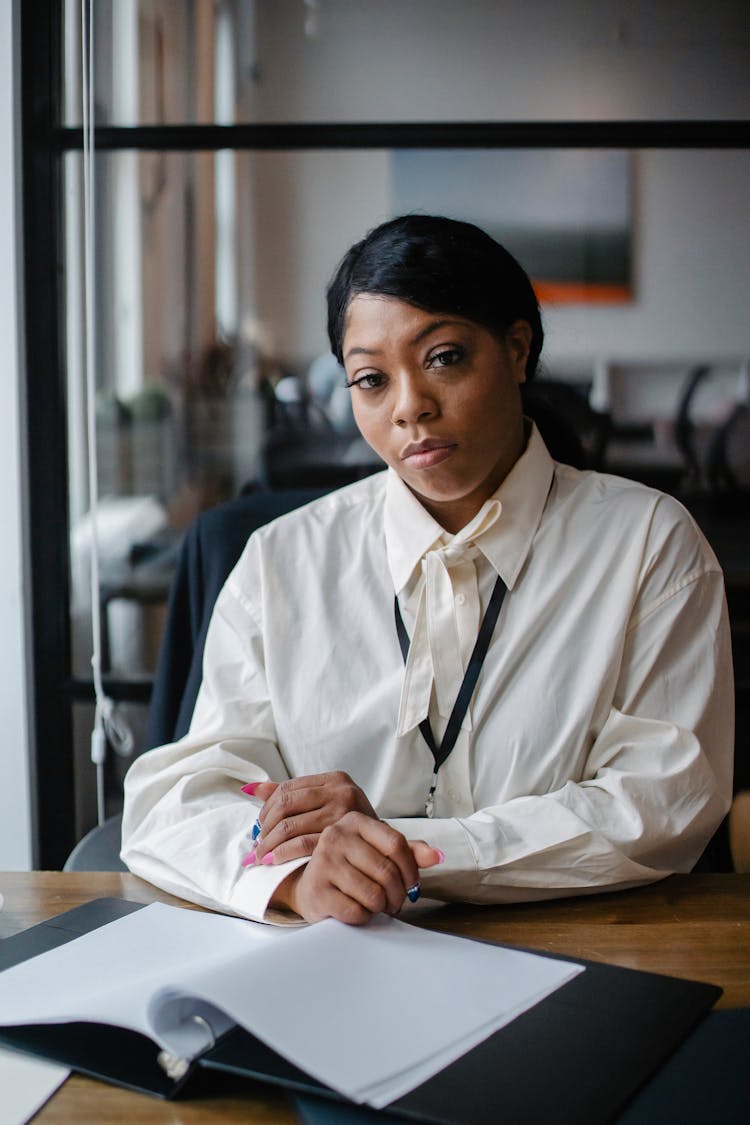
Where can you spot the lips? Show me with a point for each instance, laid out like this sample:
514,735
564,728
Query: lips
425,454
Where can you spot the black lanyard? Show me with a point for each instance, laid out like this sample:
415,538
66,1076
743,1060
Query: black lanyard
460,707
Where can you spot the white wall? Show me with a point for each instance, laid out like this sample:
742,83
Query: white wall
492,60
502,60
15,815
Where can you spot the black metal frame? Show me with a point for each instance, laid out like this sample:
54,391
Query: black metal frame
46,446
45,140
429,134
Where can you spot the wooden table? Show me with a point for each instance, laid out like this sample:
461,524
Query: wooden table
691,926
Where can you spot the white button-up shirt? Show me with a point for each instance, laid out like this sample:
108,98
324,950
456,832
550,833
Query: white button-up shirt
597,749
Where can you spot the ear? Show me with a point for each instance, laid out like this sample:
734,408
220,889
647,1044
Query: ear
518,342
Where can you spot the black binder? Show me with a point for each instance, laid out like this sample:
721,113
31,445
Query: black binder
578,1056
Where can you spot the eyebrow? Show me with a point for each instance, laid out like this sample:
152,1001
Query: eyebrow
426,331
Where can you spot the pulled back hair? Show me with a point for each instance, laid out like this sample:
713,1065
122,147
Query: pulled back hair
440,265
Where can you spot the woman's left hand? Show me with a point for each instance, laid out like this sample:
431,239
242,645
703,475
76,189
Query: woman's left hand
296,812
361,866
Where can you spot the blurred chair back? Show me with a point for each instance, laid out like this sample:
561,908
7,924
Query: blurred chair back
212,546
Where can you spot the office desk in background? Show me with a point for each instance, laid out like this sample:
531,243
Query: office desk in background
691,926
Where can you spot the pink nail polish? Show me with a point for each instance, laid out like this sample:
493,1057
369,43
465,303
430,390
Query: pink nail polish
249,859
267,859
250,788
441,855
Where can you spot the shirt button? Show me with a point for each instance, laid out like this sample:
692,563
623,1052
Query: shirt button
460,599
453,795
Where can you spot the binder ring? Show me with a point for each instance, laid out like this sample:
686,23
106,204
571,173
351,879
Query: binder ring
203,1022
175,1067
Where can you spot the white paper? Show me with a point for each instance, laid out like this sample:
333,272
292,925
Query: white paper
26,1084
365,1006
370,1011
110,974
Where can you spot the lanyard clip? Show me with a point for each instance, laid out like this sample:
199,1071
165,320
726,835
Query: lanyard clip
429,805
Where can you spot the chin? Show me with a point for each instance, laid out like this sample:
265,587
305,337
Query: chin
448,492
444,496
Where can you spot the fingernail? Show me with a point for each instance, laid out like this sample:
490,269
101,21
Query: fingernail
250,788
412,893
256,830
441,855
267,859
249,859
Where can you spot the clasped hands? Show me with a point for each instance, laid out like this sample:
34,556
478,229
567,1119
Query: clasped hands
359,866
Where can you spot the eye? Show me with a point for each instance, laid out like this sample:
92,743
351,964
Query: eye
369,381
446,357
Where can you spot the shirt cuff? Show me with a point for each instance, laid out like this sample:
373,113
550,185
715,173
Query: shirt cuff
450,836
255,888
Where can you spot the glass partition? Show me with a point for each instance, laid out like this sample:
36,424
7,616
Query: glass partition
177,62
213,368
213,374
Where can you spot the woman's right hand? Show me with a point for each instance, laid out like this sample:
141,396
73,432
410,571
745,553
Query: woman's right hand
360,867
296,811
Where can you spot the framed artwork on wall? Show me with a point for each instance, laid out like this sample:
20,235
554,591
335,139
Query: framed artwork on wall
564,213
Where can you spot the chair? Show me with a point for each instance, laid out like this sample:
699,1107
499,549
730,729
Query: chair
684,427
739,831
728,456
212,546
210,549
99,849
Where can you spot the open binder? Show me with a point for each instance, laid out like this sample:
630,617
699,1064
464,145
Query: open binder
578,1055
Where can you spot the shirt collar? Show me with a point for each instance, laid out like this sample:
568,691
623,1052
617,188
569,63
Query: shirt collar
410,530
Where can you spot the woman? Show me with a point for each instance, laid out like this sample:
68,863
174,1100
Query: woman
481,672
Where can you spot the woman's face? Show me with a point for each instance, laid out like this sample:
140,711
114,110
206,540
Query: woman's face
437,397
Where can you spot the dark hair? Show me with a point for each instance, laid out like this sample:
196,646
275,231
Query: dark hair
440,265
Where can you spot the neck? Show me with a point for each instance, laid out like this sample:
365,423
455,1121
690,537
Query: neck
453,515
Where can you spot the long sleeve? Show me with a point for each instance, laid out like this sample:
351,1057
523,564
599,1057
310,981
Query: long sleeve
186,824
655,785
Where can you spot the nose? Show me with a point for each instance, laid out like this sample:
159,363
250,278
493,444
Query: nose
414,400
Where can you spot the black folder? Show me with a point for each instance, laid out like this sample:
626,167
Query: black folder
578,1056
